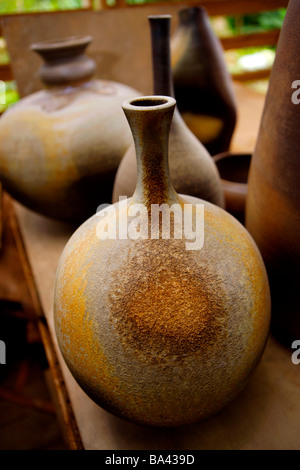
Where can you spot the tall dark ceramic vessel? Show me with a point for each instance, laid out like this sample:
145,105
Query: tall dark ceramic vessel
202,84
192,169
273,203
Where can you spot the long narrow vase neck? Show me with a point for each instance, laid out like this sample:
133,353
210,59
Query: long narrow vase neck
150,118
161,56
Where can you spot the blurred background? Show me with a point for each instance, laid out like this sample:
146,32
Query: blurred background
240,61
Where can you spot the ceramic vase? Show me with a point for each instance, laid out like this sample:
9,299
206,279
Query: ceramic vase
160,326
192,170
202,84
234,171
273,203
61,146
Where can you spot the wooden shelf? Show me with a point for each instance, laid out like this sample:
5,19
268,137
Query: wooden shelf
217,7
5,73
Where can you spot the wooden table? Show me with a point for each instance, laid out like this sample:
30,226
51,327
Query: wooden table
266,415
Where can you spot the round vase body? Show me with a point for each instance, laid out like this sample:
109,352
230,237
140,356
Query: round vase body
61,147
154,331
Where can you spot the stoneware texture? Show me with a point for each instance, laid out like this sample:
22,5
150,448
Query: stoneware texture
203,87
155,333
234,170
60,147
192,170
273,203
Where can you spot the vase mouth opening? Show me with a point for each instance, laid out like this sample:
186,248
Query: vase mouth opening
159,17
68,42
233,167
189,13
149,103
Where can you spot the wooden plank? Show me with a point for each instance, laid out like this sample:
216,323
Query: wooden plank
229,7
268,38
59,392
213,7
17,287
6,73
121,45
250,107
13,286
119,3
250,76
50,12
1,213
64,409
19,399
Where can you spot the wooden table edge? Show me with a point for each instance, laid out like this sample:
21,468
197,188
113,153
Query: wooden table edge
57,385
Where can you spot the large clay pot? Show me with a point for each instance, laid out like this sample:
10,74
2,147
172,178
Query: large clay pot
61,147
192,170
273,203
156,331
234,170
202,84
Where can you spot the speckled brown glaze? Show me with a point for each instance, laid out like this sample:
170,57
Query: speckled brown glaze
273,203
192,170
154,333
61,147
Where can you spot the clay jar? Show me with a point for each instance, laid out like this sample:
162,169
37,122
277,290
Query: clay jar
202,84
155,330
192,170
60,147
273,202
234,169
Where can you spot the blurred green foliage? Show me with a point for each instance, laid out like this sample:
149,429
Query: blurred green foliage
18,6
4,58
256,22
11,95
238,24
139,2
